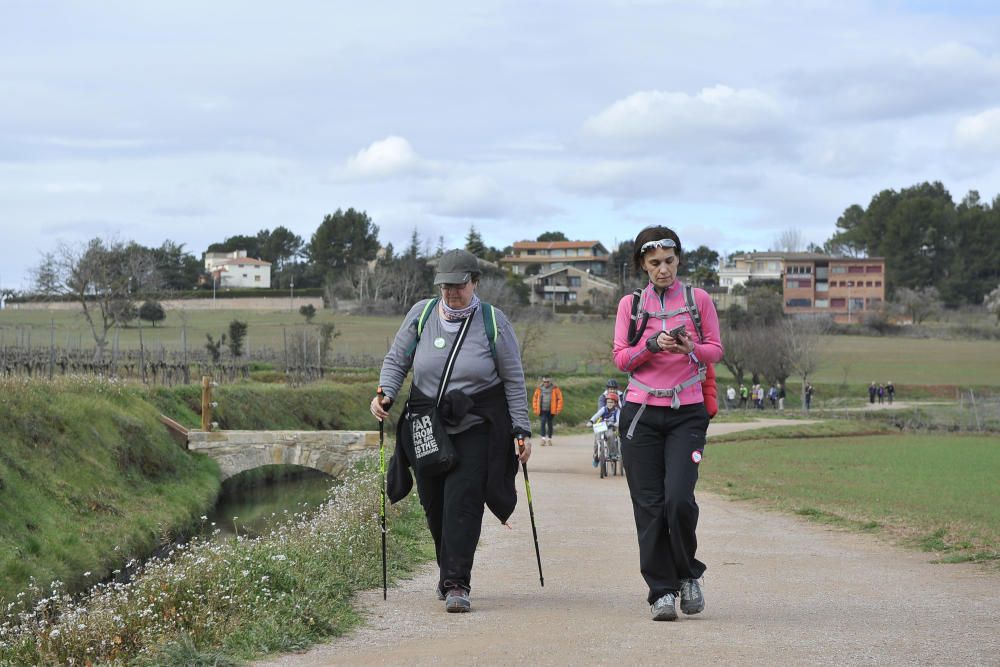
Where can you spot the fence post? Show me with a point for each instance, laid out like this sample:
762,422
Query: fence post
206,403
975,410
52,348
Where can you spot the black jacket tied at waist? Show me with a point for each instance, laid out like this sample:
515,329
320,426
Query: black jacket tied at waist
501,469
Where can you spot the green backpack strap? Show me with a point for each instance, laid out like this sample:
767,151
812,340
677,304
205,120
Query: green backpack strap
421,321
490,320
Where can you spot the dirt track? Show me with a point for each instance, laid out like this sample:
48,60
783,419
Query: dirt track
779,590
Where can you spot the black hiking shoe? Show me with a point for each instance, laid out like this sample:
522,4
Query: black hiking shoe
457,601
692,599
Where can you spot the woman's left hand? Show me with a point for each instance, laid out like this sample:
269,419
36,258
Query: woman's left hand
679,345
523,452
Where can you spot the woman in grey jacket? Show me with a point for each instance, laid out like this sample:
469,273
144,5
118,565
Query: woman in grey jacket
485,411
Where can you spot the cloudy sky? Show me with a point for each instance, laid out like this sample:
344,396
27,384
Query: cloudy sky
731,120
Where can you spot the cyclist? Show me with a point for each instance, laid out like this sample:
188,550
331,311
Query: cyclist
609,414
611,388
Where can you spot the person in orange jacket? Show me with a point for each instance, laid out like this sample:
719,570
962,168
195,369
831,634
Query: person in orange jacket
547,403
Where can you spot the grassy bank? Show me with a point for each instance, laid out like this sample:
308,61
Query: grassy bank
340,405
937,492
221,602
88,479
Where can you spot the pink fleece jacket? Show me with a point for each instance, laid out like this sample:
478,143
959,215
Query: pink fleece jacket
663,370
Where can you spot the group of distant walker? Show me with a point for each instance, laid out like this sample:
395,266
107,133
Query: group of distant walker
881,392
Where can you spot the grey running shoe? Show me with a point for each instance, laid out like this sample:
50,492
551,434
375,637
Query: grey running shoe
692,600
663,609
457,601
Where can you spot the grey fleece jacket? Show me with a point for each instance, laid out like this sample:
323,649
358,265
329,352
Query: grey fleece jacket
474,368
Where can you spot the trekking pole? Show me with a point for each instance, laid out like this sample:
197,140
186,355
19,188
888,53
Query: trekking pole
531,512
381,470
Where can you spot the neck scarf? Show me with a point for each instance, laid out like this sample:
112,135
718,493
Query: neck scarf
462,313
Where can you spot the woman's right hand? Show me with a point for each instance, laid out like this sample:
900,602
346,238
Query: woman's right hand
380,407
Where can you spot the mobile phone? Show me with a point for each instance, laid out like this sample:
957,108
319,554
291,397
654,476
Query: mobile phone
678,332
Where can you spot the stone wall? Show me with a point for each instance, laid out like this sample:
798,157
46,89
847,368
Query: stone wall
237,451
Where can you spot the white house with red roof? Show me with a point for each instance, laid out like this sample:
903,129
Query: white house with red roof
236,270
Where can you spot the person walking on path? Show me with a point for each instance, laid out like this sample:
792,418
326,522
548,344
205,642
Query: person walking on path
664,420
483,410
547,402
744,396
730,397
872,390
809,396
890,391
781,396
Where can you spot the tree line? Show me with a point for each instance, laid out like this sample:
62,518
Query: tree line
927,240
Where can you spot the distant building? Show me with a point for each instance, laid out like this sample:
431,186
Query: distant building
569,285
587,256
741,268
235,269
844,288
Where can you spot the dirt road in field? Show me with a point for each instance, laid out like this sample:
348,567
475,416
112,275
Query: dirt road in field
779,591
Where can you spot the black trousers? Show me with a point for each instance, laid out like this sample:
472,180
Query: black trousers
546,420
453,504
661,466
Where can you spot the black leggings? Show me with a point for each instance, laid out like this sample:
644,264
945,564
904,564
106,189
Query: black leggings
661,466
453,504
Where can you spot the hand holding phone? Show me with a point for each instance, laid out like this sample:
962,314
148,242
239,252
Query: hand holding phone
678,332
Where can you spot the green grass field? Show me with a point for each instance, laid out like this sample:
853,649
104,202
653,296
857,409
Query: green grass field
937,492
565,347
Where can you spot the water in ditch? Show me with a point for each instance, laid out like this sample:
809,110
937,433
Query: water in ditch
252,507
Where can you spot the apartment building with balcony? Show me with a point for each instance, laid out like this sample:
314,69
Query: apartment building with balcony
587,256
740,268
568,286
844,288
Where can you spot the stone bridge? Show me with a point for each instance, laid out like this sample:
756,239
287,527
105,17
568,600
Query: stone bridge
238,451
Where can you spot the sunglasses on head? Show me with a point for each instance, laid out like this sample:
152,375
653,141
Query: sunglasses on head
662,243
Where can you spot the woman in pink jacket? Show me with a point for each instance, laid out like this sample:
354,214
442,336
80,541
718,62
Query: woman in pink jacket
663,420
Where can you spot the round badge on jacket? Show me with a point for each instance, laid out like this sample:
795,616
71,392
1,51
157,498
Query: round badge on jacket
439,342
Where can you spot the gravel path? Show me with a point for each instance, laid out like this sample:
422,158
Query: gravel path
779,590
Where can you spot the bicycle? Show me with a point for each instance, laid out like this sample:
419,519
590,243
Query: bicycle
608,448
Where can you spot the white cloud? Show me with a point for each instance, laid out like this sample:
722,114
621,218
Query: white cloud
392,156
471,196
979,133
716,114
894,84
623,179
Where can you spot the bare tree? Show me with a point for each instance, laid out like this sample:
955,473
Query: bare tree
106,277
918,304
772,353
531,326
804,347
497,292
738,344
789,240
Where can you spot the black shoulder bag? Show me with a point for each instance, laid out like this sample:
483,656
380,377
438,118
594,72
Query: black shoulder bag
433,451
